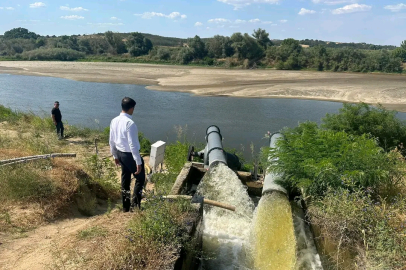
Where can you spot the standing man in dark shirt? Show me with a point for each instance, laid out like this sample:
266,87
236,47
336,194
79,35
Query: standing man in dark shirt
57,118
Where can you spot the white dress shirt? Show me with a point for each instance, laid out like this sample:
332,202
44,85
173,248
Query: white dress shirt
124,137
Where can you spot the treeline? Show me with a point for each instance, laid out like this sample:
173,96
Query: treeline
239,50
361,46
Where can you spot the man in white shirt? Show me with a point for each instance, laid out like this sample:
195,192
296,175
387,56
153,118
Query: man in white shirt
125,148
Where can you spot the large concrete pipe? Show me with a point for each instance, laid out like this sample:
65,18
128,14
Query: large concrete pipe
270,182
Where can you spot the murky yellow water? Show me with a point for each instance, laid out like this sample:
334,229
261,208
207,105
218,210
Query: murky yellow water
274,239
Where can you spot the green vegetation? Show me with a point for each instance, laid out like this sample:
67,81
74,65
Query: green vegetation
315,160
59,54
20,33
239,50
175,158
358,119
352,176
154,234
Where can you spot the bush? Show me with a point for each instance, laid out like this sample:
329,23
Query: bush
176,156
103,177
52,54
359,119
315,160
370,230
163,54
160,222
144,143
6,114
185,56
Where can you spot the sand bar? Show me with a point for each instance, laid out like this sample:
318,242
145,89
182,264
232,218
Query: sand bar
387,89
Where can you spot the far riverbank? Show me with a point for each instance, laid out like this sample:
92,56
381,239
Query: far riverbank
386,89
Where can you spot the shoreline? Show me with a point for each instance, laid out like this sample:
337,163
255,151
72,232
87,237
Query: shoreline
385,89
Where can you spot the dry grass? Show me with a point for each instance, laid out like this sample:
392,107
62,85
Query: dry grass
66,179
111,249
29,213
139,240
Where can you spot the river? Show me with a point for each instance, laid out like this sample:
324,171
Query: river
88,104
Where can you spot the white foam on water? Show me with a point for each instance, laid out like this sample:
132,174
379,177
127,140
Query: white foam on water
307,256
228,237
226,233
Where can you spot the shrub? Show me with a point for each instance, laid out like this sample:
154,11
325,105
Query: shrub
164,182
144,143
163,54
103,177
358,119
52,54
315,160
371,231
176,156
6,114
185,56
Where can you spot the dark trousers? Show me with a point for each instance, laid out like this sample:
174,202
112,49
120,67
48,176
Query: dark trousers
59,129
128,168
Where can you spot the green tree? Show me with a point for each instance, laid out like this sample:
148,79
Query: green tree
359,119
116,42
246,47
289,55
185,56
262,38
20,33
403,45
198,47
219,47
84,46
137,44
40,42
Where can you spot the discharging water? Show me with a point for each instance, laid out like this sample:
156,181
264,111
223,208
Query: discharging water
271,237
226,233
306,252
274,243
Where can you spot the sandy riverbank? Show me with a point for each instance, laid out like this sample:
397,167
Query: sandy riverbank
389,90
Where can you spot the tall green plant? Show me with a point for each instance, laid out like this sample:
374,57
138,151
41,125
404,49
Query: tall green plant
314,160
359,119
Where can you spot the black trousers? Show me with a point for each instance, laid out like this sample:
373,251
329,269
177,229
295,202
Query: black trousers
128,168
59,129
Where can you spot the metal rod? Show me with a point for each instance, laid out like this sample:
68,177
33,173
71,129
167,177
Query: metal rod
31,158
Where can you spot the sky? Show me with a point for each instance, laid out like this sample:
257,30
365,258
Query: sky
381,22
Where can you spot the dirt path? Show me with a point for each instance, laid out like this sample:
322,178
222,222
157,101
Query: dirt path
42,247
39,250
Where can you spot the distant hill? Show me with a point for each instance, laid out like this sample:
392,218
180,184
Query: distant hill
177,42
158,40
333,44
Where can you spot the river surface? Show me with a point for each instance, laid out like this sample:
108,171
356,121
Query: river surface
88,104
